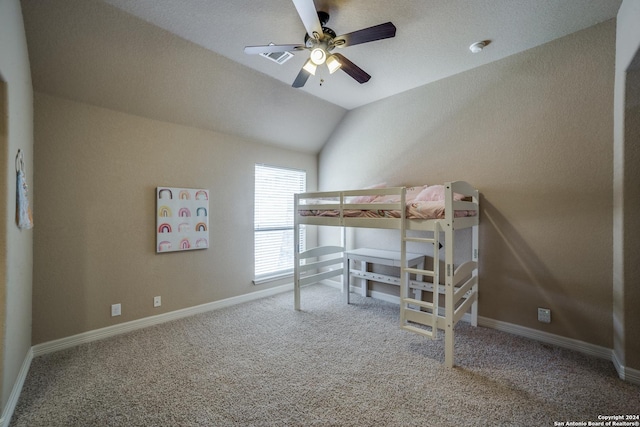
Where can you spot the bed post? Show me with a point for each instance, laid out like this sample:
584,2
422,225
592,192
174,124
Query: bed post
345,265
475,242
296,254
404,275
448,277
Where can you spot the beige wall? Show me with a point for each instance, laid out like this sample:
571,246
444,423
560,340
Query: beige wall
3,219
538,126
626,187
632,229
16,132
95,241
533,133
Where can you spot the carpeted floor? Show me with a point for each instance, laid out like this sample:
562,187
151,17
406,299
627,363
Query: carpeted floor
264,364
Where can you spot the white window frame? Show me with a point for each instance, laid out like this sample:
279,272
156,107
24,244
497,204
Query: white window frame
273,221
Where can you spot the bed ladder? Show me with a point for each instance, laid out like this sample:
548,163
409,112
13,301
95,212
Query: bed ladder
460,284
415,312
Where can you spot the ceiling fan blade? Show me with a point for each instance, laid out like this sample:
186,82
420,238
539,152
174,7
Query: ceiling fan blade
301,79
309,16
377,32
352,69
251,50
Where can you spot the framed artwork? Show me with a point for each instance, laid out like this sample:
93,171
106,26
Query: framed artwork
182,219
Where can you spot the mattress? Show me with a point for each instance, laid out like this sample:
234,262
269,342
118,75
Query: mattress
423,202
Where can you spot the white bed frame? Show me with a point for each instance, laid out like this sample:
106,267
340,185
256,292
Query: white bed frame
460,287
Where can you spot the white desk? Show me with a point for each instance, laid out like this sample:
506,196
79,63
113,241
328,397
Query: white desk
376,256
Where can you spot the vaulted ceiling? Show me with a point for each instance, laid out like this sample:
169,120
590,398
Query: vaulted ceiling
182,61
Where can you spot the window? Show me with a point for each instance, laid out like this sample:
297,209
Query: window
273,220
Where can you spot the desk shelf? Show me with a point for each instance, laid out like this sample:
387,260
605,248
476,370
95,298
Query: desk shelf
379,257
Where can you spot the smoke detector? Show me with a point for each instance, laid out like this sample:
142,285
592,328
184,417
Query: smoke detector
477,46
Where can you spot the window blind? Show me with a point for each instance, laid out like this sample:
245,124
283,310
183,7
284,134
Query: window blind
273,219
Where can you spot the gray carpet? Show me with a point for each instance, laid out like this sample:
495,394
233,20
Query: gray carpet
264,364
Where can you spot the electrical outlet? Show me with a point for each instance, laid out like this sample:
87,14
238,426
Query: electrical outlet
157,301
116,310
544,315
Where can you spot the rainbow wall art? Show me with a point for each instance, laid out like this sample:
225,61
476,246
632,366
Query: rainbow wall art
182,219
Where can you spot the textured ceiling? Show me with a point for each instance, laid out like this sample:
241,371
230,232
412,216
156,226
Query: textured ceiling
431,42
91,52
182,61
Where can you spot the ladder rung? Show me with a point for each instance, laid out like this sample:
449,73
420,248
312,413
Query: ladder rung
423,304
425,286
418,330
420,272
420,239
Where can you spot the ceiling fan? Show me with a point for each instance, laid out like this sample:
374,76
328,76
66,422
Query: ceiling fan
321,41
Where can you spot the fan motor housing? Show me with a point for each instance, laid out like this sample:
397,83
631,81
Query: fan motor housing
328,35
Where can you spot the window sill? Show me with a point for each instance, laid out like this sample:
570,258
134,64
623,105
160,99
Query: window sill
274,278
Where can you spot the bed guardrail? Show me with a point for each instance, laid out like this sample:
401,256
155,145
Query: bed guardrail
315,265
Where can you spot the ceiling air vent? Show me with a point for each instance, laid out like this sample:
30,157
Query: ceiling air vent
279,57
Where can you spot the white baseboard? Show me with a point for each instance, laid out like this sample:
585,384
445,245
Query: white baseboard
332,283
109,331
121,328
626,374
569,343
7,413
631,375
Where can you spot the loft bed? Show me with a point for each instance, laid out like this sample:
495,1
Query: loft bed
427,214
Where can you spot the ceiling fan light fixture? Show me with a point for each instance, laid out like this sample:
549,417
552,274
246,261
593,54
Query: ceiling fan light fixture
310,67
320,41
333,64
318,56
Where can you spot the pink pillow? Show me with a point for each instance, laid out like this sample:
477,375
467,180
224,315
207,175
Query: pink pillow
412,192
368,199
435,193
